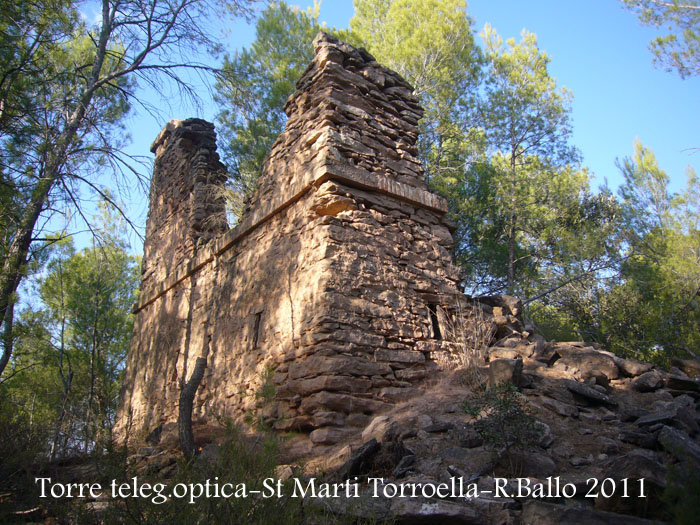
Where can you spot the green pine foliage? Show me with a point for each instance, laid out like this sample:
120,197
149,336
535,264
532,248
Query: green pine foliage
71,344
679,49
255,83
654,309
505,422
495,141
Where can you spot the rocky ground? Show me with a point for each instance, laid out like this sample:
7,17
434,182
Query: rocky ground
603,423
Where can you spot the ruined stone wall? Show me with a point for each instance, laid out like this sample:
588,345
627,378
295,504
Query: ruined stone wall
242,303
186,207
335,277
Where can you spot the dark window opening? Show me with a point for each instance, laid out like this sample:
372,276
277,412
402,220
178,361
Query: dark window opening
432,308
256,329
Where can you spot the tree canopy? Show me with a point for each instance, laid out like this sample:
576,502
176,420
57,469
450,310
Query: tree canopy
71,345
679,49
254,85
432,45
66,86
495,141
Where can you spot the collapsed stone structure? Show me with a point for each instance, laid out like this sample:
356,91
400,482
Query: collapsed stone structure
337,277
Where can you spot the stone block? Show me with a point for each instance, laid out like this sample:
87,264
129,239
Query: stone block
505,371
648,382
399,356
330,435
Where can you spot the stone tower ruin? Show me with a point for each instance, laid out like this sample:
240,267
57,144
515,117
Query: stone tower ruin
335,280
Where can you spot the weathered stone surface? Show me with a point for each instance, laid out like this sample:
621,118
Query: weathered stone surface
468,437
321,365
153,437
404,466
377,429
473,461
324,401
648,382
657,417
609,446
398,394
438,427
536,512
691,367
424,511
535,464
631,367
585,364
639,438
563,409
399,356
334,383
684,401
329,435
363,508
323,419
298,423
505,371
589,393
679,444
687,420
546,437
680,383
360,461
503,353
629,414
638,463
338,274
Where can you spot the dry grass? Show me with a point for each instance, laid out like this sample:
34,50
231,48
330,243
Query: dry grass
472,333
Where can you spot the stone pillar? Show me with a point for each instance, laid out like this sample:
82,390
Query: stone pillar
187,197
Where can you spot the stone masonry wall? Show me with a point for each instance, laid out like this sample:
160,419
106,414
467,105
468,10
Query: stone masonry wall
186,206
337,277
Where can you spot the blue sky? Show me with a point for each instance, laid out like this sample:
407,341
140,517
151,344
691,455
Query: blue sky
598,50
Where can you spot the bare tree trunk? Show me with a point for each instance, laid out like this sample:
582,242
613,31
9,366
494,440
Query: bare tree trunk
67,381
59,426
511,254
184,420
14,263
18,251
155,29
7,336
511,225
89,417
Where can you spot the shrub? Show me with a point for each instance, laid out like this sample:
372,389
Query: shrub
503,420
682,494
239,460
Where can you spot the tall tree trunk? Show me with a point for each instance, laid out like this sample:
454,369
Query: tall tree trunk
511,254
7,336
89,419
59,425
16,258
511,225
15,262
67,381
